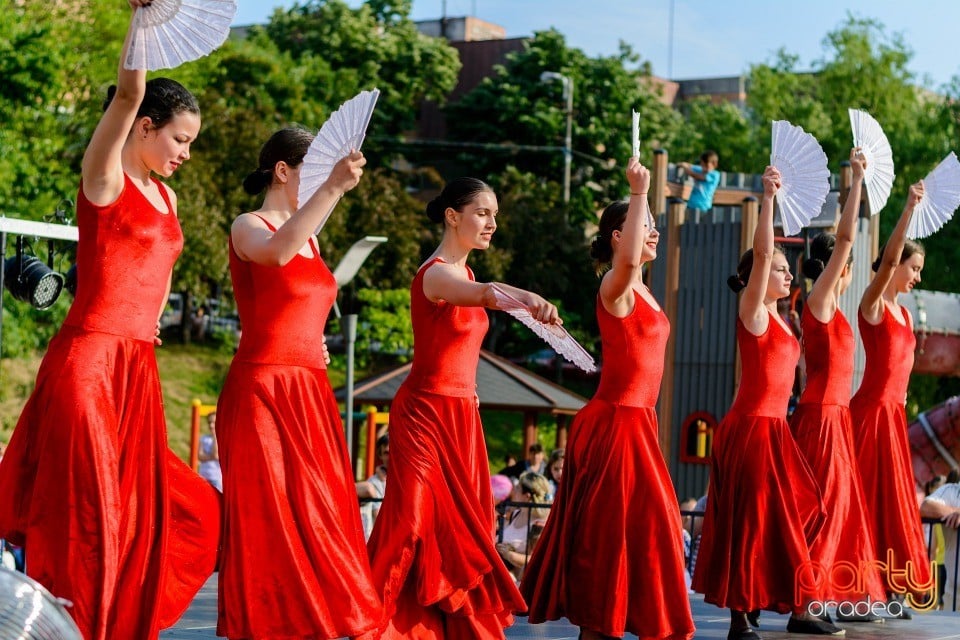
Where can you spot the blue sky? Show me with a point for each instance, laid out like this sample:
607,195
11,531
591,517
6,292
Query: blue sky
710,38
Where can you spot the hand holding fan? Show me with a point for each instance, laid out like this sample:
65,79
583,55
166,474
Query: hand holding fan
805,178
553,334
343,131
167,33
941,197
878,177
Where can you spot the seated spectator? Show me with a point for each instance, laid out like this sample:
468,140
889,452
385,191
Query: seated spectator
371,490
554,472
502,487
534,462
944,503
523,524
209,455
686,524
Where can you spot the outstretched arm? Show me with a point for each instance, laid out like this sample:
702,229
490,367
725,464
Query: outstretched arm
871,305
101,168
449,283
616,289
253,241
822,300
753,312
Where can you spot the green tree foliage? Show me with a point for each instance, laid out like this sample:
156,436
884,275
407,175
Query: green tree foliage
514,107
380,47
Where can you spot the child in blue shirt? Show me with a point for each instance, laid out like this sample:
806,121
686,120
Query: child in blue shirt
706,178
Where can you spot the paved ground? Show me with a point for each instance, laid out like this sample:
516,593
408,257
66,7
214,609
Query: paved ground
200,622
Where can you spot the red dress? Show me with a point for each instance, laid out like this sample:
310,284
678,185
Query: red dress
822,428
883,451
110,518
764,508
294,562
611,555
432,547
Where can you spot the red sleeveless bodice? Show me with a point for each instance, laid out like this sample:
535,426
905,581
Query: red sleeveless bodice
126,252
889,347
283,316
828,349
446,342
768,364
633,354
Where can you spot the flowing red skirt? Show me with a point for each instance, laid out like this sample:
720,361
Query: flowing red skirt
763,511
611,556
886,472
432,547
110,518
844,548
294,562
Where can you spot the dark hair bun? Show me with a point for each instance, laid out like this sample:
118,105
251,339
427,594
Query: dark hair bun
812,268
111,91
257,181
436,209
735,283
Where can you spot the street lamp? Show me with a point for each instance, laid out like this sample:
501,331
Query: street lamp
346,270
567,83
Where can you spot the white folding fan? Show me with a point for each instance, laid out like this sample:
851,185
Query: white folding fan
553,334
805,178
343,131
878,177
941,197
636,133
167,33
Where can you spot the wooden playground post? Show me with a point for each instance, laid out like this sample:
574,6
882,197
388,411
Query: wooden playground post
371,441
676,213
198,410
658,182
195,435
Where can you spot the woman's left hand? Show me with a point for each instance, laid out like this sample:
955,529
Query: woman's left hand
156,336
543,311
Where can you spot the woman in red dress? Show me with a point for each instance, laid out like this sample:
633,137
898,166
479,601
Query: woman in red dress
611,556
294,561
880,432
110,518
821,423
764,508
432,548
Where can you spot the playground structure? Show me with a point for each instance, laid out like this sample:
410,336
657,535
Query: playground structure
698,253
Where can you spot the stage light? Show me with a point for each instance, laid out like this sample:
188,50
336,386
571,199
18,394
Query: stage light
30,280
29,611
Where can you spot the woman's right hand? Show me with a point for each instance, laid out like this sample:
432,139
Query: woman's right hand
638,176
136,4
771,181
915,195
858,162
346,173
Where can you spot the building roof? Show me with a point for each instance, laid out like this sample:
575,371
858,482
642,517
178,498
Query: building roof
501,385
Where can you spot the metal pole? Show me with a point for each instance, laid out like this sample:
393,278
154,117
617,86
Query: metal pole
350,334
567,141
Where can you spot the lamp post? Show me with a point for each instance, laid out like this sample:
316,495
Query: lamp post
346,270
567,83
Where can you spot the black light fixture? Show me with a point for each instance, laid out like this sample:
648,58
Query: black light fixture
28,279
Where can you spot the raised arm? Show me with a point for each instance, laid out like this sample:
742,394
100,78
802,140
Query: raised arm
616,289
822,300
450,283
102,170
254,242
871,304
753,312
